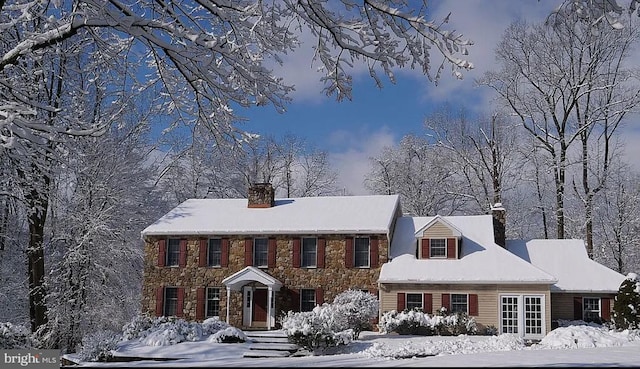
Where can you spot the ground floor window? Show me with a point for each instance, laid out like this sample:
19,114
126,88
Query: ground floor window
591,309
414,301
170,301
307,299
213,302
459,303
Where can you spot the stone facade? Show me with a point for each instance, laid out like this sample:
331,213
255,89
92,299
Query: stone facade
334,278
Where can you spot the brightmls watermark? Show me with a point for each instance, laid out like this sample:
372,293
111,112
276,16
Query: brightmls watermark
43,359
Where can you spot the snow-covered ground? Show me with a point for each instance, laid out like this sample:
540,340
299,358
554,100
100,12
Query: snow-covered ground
578,345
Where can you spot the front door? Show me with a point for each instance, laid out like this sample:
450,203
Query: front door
523,315
259,305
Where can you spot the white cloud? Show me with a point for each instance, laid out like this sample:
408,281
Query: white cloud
352,164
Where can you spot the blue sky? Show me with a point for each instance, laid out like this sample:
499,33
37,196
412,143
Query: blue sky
352,131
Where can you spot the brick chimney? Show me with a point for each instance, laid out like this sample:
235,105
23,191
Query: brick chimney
261,195
499,224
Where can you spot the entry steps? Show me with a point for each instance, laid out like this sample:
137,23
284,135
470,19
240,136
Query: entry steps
270,344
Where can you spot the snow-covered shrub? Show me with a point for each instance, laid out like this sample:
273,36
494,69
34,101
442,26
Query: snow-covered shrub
213,325
318,329
137,327
417,322
172,332
98,346
626,308
490,330
228,335
359,308
14,336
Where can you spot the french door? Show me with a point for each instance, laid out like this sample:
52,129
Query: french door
523,315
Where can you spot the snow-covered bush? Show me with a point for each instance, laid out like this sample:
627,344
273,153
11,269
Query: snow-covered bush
417,322
14,336
318,329
626,308
213,325
137,327
172,332
359,308
228,335
98,346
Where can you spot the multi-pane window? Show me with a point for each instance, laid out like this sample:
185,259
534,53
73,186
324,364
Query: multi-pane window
591,309
307,299
437,248
215,252
361,252
414,301
509,318
309,252
459,303
213,302
260,250
533,315
170,301
173,252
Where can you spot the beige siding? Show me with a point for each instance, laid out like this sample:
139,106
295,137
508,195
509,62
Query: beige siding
437,230
488,298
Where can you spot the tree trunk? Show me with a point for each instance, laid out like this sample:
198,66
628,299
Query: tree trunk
35,255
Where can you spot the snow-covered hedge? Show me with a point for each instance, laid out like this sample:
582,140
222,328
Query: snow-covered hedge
98,346
14,336
417,322
165,331
228,335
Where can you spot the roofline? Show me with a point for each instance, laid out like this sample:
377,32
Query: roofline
269,232
467,282
557,290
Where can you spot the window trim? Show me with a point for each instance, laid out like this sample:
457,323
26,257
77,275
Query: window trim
266,252
206,302
302,249
355,253
165,301
451,303
209,261
168,252
431,248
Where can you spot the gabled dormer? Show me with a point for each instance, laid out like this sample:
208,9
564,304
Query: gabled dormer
438,239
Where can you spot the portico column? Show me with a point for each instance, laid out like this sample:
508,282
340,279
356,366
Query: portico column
228,299
269,307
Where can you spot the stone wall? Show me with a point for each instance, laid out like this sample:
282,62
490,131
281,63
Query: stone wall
333,279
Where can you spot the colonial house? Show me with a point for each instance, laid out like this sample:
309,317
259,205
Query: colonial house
247,260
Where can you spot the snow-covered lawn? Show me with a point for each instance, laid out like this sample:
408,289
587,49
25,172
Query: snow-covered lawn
579,345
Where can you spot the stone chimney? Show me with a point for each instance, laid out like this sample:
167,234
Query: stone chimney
261,195
499,224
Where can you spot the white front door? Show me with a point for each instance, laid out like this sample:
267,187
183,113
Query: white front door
523,315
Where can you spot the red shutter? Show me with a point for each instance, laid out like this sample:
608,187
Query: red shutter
295,300
319,296
577,308
248,252
473,304
202,254
200,304
427,304
401,301
425,249
451,248
159,301
296,253
446,302
271,253
322,243
180,308
162,252
605,314
182,259
225,253
348,252
374,252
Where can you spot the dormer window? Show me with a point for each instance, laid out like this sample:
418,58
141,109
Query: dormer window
438,248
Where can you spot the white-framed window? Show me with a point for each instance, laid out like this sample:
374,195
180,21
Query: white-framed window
414,300
533,315
260,252
591,309
213,302
173,252
361,252
459,303
214,252
509,319
309,252
170,307
307,299
437,248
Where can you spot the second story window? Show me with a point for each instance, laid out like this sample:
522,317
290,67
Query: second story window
361,252
214,252
260,252
438,248
309,252
173,252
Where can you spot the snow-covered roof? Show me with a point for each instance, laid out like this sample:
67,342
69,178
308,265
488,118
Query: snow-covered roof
482,261
568,261
305,215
